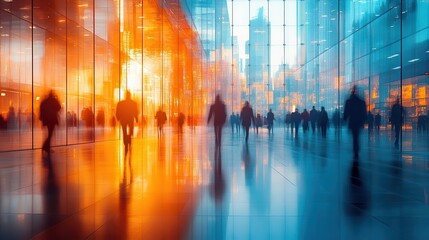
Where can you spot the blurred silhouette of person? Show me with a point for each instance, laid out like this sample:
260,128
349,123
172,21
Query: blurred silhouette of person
247,118
336,118
296,120
181,121
100,118
421,122
3,123
11,118
258,122
49,109
113,121
232,121
355,114
396,119
323,120
370,121
218,111
69,119
87,116
305,119
288,120
161,118
377,121
313,118
237,122
270,120
126,112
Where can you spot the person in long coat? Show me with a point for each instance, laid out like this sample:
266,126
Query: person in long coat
218,110
355,114
247,118
49,109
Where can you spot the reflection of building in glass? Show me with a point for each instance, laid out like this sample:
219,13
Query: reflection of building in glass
89,53
258,63
381,46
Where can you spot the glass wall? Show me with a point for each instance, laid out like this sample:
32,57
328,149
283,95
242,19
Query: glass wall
88,52
380,46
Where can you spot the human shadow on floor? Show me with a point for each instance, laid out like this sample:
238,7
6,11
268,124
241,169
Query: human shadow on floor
358,197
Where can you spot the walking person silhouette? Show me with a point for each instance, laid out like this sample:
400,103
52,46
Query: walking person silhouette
396,118
161,118
323,121
246,118
270,120
218,110
126,112
355,113
49,109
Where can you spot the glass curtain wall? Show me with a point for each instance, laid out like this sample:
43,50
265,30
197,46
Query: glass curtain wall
89,52
380,46
250,49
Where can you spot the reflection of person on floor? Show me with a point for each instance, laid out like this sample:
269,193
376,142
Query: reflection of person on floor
218,111
161,118
219,179
247,117
126,112
355,113
397,118
49,109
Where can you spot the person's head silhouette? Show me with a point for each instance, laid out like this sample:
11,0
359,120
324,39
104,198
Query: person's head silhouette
127,94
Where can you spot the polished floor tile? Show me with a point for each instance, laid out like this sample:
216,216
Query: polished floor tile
181,187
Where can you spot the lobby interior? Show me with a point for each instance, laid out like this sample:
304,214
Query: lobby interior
176,56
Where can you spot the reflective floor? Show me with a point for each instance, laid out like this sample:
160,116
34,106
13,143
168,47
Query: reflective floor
180,187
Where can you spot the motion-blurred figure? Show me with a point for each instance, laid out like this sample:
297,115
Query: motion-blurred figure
355,113
323,121
126,112
370,121
270,120
305,119
296,120
232,121
49,109
101,120
258,122
218,111
377,121
237,122
313,118
161,118
397,118
11,118
181,121
246,118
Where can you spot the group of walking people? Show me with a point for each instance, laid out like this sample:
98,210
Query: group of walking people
355,114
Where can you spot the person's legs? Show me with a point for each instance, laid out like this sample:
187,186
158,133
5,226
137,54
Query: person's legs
47,144
247,133
397,131
216,135
355,133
